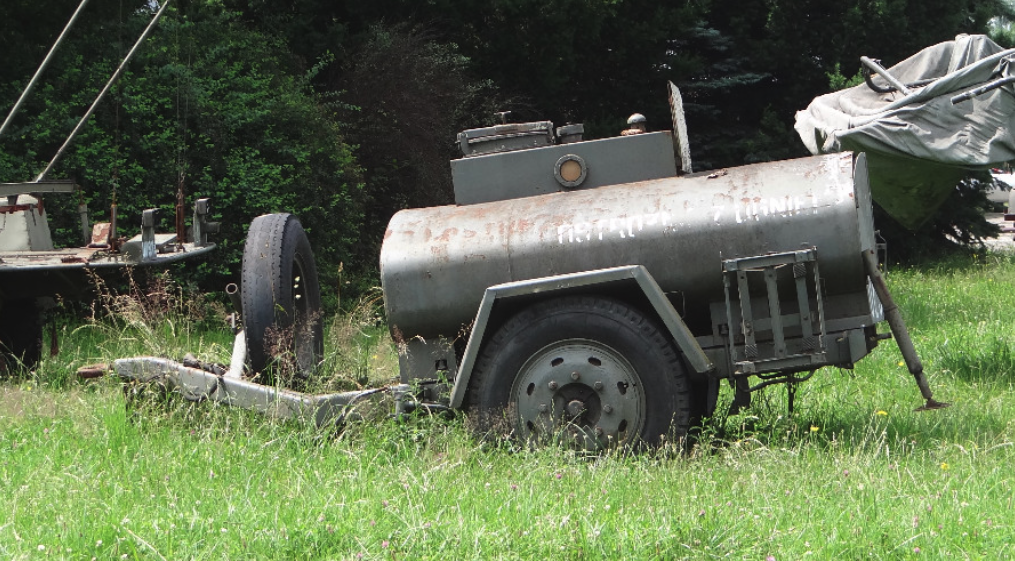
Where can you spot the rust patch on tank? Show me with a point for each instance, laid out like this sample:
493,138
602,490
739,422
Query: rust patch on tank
447,234
522,225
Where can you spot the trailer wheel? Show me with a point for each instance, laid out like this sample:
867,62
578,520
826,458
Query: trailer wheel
281,300
703,394
20,334
592,372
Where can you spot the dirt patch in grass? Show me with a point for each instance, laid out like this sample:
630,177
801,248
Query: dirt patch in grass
18,402
12,402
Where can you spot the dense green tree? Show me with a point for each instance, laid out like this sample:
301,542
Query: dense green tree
413,74
208,105
768,59
406,97
564,60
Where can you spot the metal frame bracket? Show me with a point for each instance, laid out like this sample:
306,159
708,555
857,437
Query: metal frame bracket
737,273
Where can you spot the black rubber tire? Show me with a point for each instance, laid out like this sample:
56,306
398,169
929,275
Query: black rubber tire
703,401
281,300
597,324
20,333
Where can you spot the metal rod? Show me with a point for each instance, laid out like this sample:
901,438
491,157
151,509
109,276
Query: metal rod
233,292
86,229
112,240
102,94
898,326
42,67
982,89
791,378
869,63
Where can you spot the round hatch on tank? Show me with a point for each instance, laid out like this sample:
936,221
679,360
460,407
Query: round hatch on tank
570,170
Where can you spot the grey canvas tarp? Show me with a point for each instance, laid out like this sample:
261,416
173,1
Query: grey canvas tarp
921,145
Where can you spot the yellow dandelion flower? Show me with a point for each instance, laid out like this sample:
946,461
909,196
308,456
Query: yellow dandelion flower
814,428
882,413
944,465
902,363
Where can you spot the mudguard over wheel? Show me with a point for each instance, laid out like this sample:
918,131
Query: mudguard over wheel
281,300
590,371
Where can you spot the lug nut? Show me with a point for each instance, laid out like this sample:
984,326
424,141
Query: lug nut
599,431
607,409
543,408
575,376
552,385
598,386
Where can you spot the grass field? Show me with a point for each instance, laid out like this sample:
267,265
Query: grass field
854,473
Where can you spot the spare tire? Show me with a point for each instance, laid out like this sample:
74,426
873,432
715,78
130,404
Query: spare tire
281,300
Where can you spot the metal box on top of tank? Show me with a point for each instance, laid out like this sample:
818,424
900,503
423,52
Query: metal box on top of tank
503,175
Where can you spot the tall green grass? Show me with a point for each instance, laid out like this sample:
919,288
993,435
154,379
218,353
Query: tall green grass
853,473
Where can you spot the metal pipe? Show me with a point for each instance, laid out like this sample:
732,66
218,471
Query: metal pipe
86,228
102,94
870,63
898,326
195,384
239,356
42,67
982,89
233,292
113,239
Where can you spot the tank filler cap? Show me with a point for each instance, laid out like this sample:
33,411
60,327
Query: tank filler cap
570,170
636,118
636,124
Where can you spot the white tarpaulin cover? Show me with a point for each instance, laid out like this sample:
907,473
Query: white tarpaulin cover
920,145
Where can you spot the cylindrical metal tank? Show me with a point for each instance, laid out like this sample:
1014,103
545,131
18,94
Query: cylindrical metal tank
437,262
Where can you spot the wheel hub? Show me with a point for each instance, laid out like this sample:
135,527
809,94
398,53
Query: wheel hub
575,408
580,391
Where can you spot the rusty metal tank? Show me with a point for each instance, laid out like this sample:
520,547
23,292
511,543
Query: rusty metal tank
437,262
